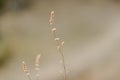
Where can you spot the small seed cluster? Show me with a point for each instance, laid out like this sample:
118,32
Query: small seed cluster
37,68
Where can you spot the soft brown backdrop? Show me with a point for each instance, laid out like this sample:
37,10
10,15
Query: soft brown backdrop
90,29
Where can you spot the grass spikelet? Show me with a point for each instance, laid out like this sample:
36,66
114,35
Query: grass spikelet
26,71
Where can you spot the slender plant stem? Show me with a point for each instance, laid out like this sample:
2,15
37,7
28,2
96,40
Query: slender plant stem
37,66
59,44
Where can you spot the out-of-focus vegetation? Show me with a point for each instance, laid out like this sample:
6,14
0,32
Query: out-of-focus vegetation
1,5
9,5
15,5
5,54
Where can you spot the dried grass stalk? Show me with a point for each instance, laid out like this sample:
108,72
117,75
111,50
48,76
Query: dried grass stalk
59,43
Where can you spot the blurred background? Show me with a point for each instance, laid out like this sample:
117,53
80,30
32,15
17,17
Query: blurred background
90,29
